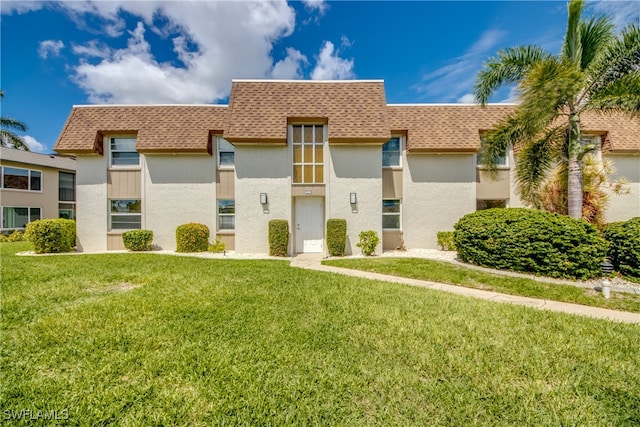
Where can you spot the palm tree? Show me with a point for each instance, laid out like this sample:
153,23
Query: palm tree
595,71
7,137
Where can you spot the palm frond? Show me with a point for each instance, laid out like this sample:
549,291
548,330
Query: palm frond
549,87
509,67
572,47
595,34
13,124
535,159
621,96
11,140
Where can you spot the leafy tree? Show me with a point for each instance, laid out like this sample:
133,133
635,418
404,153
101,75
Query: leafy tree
595,71
7,136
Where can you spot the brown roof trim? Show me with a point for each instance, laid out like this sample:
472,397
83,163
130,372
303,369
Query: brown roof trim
173,150
257,141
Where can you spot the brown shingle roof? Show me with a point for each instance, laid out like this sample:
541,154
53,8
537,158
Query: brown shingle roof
432,128
159,128
355,111
622,133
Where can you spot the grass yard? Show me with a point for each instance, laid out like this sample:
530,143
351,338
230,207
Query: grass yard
444,272
143,339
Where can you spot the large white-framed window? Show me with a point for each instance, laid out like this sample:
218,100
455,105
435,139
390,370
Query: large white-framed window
226,214
226,153
391,214
125,214
14,217
21,179
392,153
66,195
122,152
308,153
502,160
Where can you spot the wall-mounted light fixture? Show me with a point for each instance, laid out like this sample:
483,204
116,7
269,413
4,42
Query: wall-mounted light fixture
263,198
353,198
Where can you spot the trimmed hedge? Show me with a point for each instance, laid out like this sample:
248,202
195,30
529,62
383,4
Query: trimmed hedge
368,242
624,247
336,236
445,241
278,237
49,236
530,241
192,237
137,240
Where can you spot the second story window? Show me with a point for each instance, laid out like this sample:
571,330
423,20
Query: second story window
392,152
21,179
66,187
308,154
226,153
123,152
502,160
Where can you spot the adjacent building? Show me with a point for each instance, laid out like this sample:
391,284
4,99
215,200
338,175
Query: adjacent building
304,151
35,186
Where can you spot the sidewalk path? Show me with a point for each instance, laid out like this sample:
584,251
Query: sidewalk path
314,262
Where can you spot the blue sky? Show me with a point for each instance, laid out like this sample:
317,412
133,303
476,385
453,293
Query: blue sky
58,54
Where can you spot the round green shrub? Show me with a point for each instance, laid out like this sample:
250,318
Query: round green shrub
137,240
624,246
52,235
530,241
278,237
16,236
368,242
192,237
336,236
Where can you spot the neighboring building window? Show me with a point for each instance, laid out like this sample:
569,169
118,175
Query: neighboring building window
226,153
66,187
490,204
14,217
391,214
21,179
308,154
123,152
125,214
226,214
67,210
391,152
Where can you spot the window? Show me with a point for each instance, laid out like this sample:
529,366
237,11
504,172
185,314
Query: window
13,218
21,179
391,214
67,210
123,152
490,204
391,152
66,187
308,154
125,214
226,153
226,214
502,160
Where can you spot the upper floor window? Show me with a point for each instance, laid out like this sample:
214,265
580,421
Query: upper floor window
21,179
502,160
123,152
226,153
66,187
308,154
392,152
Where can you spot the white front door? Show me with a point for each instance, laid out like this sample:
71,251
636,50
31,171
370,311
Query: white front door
309,224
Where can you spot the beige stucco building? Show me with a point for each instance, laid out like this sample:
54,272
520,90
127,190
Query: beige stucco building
304,152
35,186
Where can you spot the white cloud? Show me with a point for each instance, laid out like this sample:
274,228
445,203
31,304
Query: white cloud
33,144
19,6
330,66
513,97
214,41
291,66
621,12
454,80
320,5
49,48
467,98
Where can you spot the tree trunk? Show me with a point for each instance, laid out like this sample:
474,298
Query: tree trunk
574,184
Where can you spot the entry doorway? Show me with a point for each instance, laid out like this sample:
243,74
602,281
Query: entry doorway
309,220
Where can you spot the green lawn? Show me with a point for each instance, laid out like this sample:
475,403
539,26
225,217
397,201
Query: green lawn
445,272
143,339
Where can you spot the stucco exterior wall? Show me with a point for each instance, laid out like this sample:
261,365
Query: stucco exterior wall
91,203
625,206
356,169
177,189
439,189
261,169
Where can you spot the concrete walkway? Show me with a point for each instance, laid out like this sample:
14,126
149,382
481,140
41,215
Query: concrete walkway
314,262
